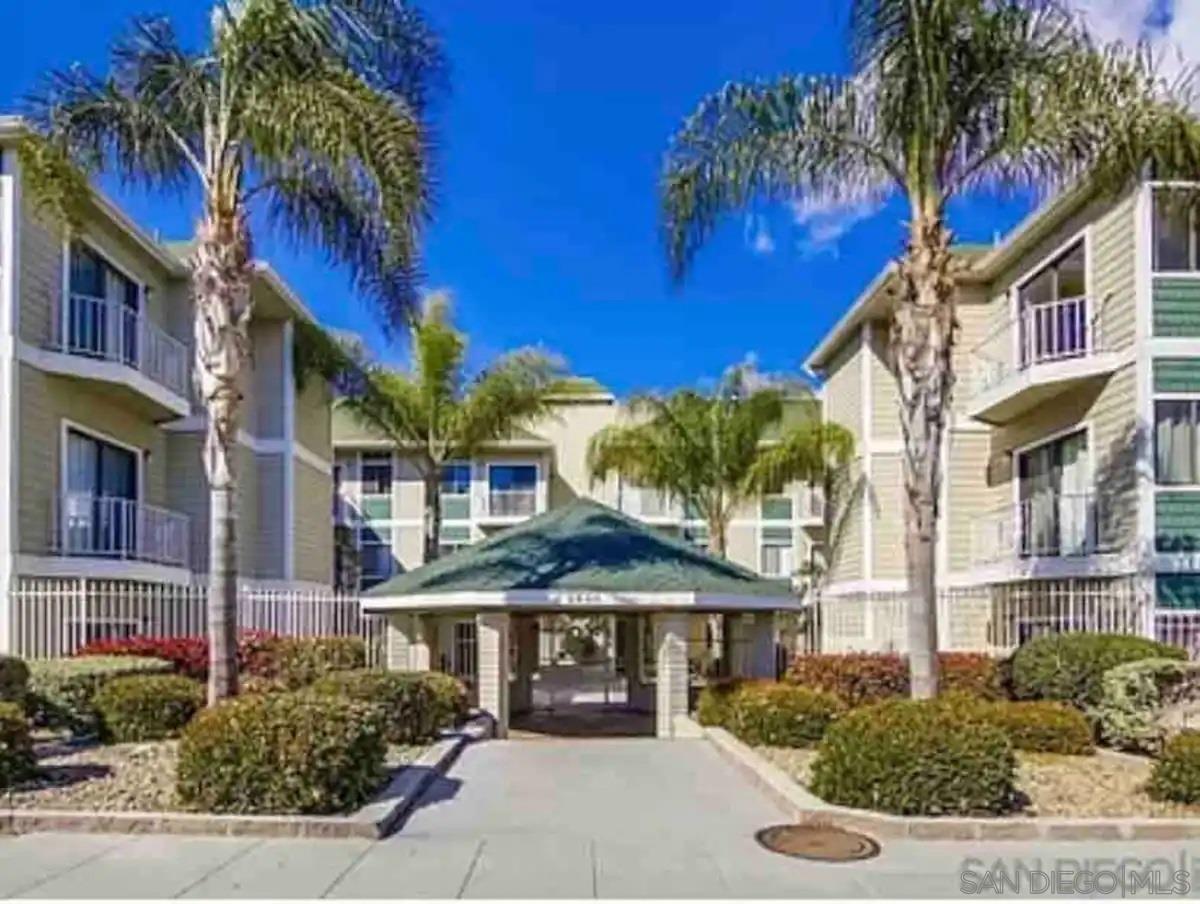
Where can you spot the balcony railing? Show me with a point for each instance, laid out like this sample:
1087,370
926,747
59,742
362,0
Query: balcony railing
86,525
109,330
1040,334
512,503
1046,524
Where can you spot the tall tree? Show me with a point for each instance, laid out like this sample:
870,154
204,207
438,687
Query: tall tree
714,453
947,97
310,112
435,415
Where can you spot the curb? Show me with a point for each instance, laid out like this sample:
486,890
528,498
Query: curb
374,821
806,809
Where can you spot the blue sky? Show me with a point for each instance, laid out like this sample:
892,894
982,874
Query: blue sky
549,144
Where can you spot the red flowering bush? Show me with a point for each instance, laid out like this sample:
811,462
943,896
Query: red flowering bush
189,655
863,678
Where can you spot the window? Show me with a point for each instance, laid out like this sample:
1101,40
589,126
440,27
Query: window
697,535
462,662
1175,438
456,492
376,487
777,556
375,554
453,538
1175,244
1056,513
103,307
512,489
776,507
1054,321
100,505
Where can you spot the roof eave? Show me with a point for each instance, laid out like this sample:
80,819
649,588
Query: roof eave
580,600
843,330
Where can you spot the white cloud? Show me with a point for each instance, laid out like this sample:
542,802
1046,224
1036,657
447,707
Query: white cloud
757,234
823,223
1171,27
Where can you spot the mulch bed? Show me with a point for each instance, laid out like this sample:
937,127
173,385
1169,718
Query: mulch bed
119,778
1082,787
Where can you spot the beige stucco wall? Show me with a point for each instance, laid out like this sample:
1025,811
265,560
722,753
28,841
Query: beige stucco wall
570,429
313,532
46,401
742,545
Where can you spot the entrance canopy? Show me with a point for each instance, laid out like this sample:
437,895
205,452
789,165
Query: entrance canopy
582,556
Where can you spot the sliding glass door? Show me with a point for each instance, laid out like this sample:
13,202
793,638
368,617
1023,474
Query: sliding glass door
101,498
1055,500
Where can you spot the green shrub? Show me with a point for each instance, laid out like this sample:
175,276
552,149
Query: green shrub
1176,774
779,714
62,691
14,680
147,707
407,702
450,701
1071,667
862,678
17,761
915,758
285,753
1135,699
1034,726
297,662
712,704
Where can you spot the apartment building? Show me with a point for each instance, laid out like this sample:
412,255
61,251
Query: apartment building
380,495
100,429
1071,464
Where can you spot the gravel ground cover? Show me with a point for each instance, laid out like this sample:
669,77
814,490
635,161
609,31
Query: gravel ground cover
119,777
1104,785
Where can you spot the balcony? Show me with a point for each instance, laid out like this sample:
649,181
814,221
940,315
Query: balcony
112,528
103,339
506,504
649,505
1044,351
1048,525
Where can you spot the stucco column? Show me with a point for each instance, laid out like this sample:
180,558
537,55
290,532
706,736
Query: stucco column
761,647
492,667
399,636
419,656
671,694
525,629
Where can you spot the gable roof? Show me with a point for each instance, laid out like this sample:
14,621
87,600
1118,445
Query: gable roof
582,547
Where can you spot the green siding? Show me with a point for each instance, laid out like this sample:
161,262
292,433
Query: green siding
456,508
1177,374
1178,591
1176,307
1177,521
777,508
378,508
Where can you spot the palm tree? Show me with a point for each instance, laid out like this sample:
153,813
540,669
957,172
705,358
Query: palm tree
714,453
436,416
947,97
310,111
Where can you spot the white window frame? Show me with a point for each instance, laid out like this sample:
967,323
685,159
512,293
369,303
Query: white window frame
1193,397
64,307
538,476
1193,225
66,427
1083,235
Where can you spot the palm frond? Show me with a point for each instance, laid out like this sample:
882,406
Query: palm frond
513,392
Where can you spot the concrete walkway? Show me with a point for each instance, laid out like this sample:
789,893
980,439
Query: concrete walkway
577,819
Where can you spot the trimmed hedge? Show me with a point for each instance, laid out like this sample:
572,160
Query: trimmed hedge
1034,726
285,753
915,758
297,662
1176,774
1071,667
450,700
863,678
147,707
17,761
1133,698
62,691
712,704
14,680
781,715
408,703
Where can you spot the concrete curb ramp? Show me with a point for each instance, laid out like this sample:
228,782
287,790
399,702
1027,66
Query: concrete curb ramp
807,809
376,820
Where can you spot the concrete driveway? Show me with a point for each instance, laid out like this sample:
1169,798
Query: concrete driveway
564,819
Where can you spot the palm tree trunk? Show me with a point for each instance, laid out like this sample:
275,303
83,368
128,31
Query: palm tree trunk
221,271
922,338
432,520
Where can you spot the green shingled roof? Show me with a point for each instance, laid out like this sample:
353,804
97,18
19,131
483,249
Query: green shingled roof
583,546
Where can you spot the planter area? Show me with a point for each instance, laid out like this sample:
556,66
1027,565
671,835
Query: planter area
317,744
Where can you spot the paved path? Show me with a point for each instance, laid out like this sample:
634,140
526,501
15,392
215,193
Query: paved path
607,818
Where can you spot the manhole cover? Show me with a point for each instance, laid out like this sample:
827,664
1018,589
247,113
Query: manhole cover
817,842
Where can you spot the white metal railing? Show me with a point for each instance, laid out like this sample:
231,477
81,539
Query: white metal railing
512,503
1040,334
1047,524
83,524
52,617
642,502
109,330
998,618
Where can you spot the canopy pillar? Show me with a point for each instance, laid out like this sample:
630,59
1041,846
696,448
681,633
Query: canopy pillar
492,667
671,696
